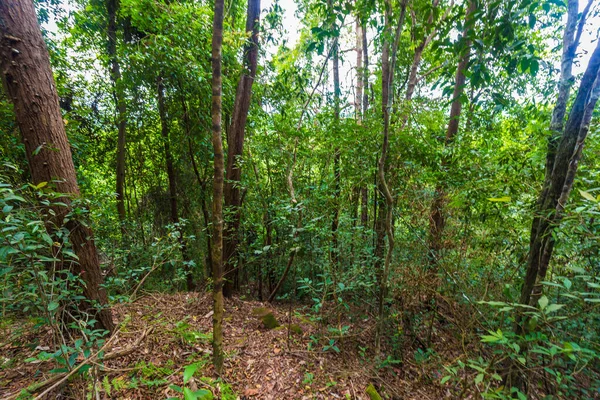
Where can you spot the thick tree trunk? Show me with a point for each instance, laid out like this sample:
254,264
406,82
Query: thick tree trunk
112,7
219,166
235,141
437,218
27,78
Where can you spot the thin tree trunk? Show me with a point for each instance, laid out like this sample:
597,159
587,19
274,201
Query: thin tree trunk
202,183
360,73
172,178
28,80
365,48
219,166
437,219
362,102
388,61
336,155
294,202
235,141
418,55
112,7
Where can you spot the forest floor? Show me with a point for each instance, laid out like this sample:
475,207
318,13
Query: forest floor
164,333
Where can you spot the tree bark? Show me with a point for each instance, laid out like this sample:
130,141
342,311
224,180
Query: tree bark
29,83
112,7
235,141
219,166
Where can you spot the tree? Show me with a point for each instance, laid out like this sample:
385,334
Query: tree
565,149
171,177
235,141
112,7
217,244
28,80
388,61
437,219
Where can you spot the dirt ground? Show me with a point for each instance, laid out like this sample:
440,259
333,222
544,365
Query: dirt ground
162,334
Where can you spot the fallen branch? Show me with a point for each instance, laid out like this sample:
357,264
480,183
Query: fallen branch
56,380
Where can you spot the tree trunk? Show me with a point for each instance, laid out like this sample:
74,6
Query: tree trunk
365,48
360,74
336,154
112,7
172,178
437,219
362,102
388,61
550,206
364,207
235,141
28,80
202,183
219,166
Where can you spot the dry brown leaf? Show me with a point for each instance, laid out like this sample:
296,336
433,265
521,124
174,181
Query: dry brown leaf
250,392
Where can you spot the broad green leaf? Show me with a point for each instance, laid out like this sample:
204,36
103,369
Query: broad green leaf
587,195
543,302
189,371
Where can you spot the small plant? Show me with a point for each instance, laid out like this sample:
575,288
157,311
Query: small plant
331,346
308,378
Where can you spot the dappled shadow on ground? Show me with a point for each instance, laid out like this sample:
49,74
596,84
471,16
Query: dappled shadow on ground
162,334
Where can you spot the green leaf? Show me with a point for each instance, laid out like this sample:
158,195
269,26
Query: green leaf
503,199
478,378
176,388
445,379
201,394
189,371
53,306
553,307
543,302
587,196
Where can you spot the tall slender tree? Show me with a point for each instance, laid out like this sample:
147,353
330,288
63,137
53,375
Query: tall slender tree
112,7
219,166
437,218
235,142
335,58
388,61
172,176
29,83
